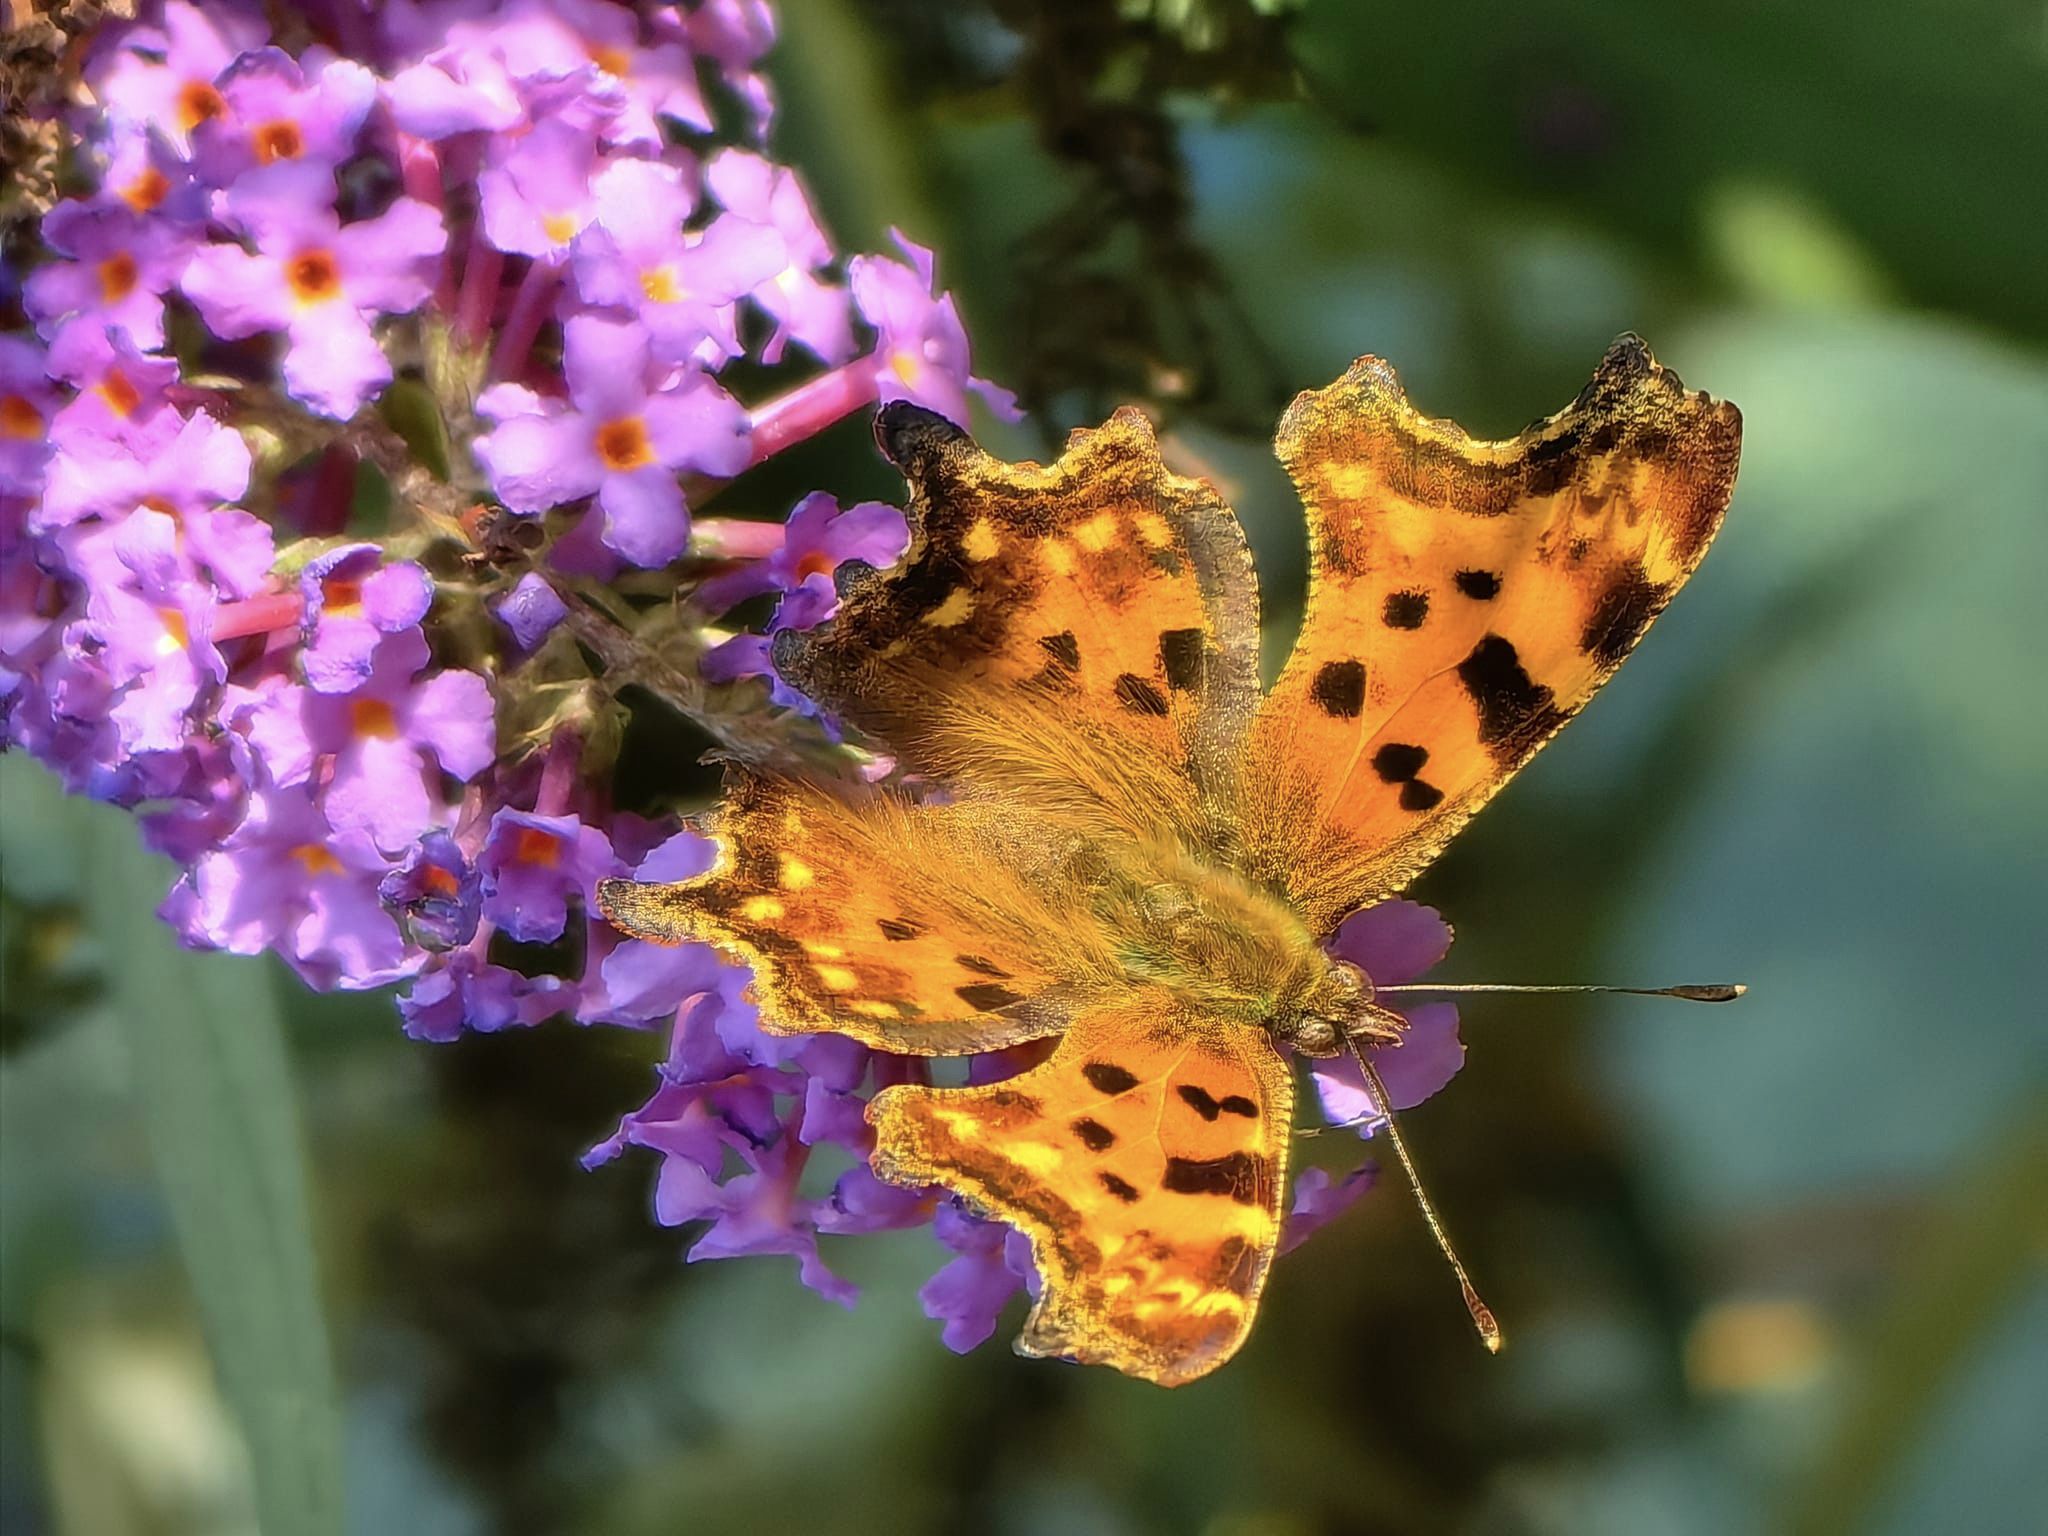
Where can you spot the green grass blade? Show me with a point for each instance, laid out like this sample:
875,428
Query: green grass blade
214,1083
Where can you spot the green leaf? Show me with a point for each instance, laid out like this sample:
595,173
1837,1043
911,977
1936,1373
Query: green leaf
207,1046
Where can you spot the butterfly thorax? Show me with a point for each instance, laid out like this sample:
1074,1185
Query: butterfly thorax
1226,947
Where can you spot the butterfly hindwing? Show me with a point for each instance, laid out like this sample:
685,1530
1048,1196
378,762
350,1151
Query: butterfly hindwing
1466,599
1145,1160
830,896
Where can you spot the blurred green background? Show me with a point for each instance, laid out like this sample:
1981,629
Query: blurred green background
1770,1268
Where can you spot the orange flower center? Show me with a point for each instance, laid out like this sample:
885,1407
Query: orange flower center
559,227
623,444
197,103
343,599
906,365
316,860
160,504
277,141
117,277
533,846
119,392
816,563
19,417
441,882
176,637
147,191
313,276
613,61
373,717
659,284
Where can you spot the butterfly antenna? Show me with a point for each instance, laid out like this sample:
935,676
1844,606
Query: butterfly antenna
1711,992
1482,1315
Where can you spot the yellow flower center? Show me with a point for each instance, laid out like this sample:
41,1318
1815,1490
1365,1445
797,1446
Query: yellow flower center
613,61
660,286
176,637
342,599
560,228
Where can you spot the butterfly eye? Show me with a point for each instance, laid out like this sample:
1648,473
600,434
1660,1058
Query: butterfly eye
1313,1037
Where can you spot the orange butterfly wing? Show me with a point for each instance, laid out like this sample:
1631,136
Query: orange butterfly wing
1145,1160
1466,599
869,916
1100,586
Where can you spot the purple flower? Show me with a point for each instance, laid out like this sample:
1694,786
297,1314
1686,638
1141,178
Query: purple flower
531,610
650,981
122,264
990,1265
352,601
120,388
155,648
545,39
736,34
436,892
317,280
921,347
534,866
632,423
467,991
278,111
288,880
1319,1199
164,80
682,287
538,197
175,465
27,405
819,537
805,307
1392,943
388,740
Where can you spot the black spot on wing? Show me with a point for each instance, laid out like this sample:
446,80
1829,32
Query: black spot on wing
896,930
1404,610
1621,614
1339,689
1235,1266
1481,586
981,966
1238,1104
987,997
1094,1135
1200,1100
1108,1077
1515,712
1397,762
1180,655
1239,1176
1139,696
1062,650
1118,1187
1416,795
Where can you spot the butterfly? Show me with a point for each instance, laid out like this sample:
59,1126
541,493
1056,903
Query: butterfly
1101,830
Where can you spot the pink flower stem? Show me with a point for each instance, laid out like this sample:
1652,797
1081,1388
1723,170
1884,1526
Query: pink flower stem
482,270
810,408
419,172
257,615
523,319
558,774
735,538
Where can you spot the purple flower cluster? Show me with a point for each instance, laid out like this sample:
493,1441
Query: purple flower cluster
510,225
